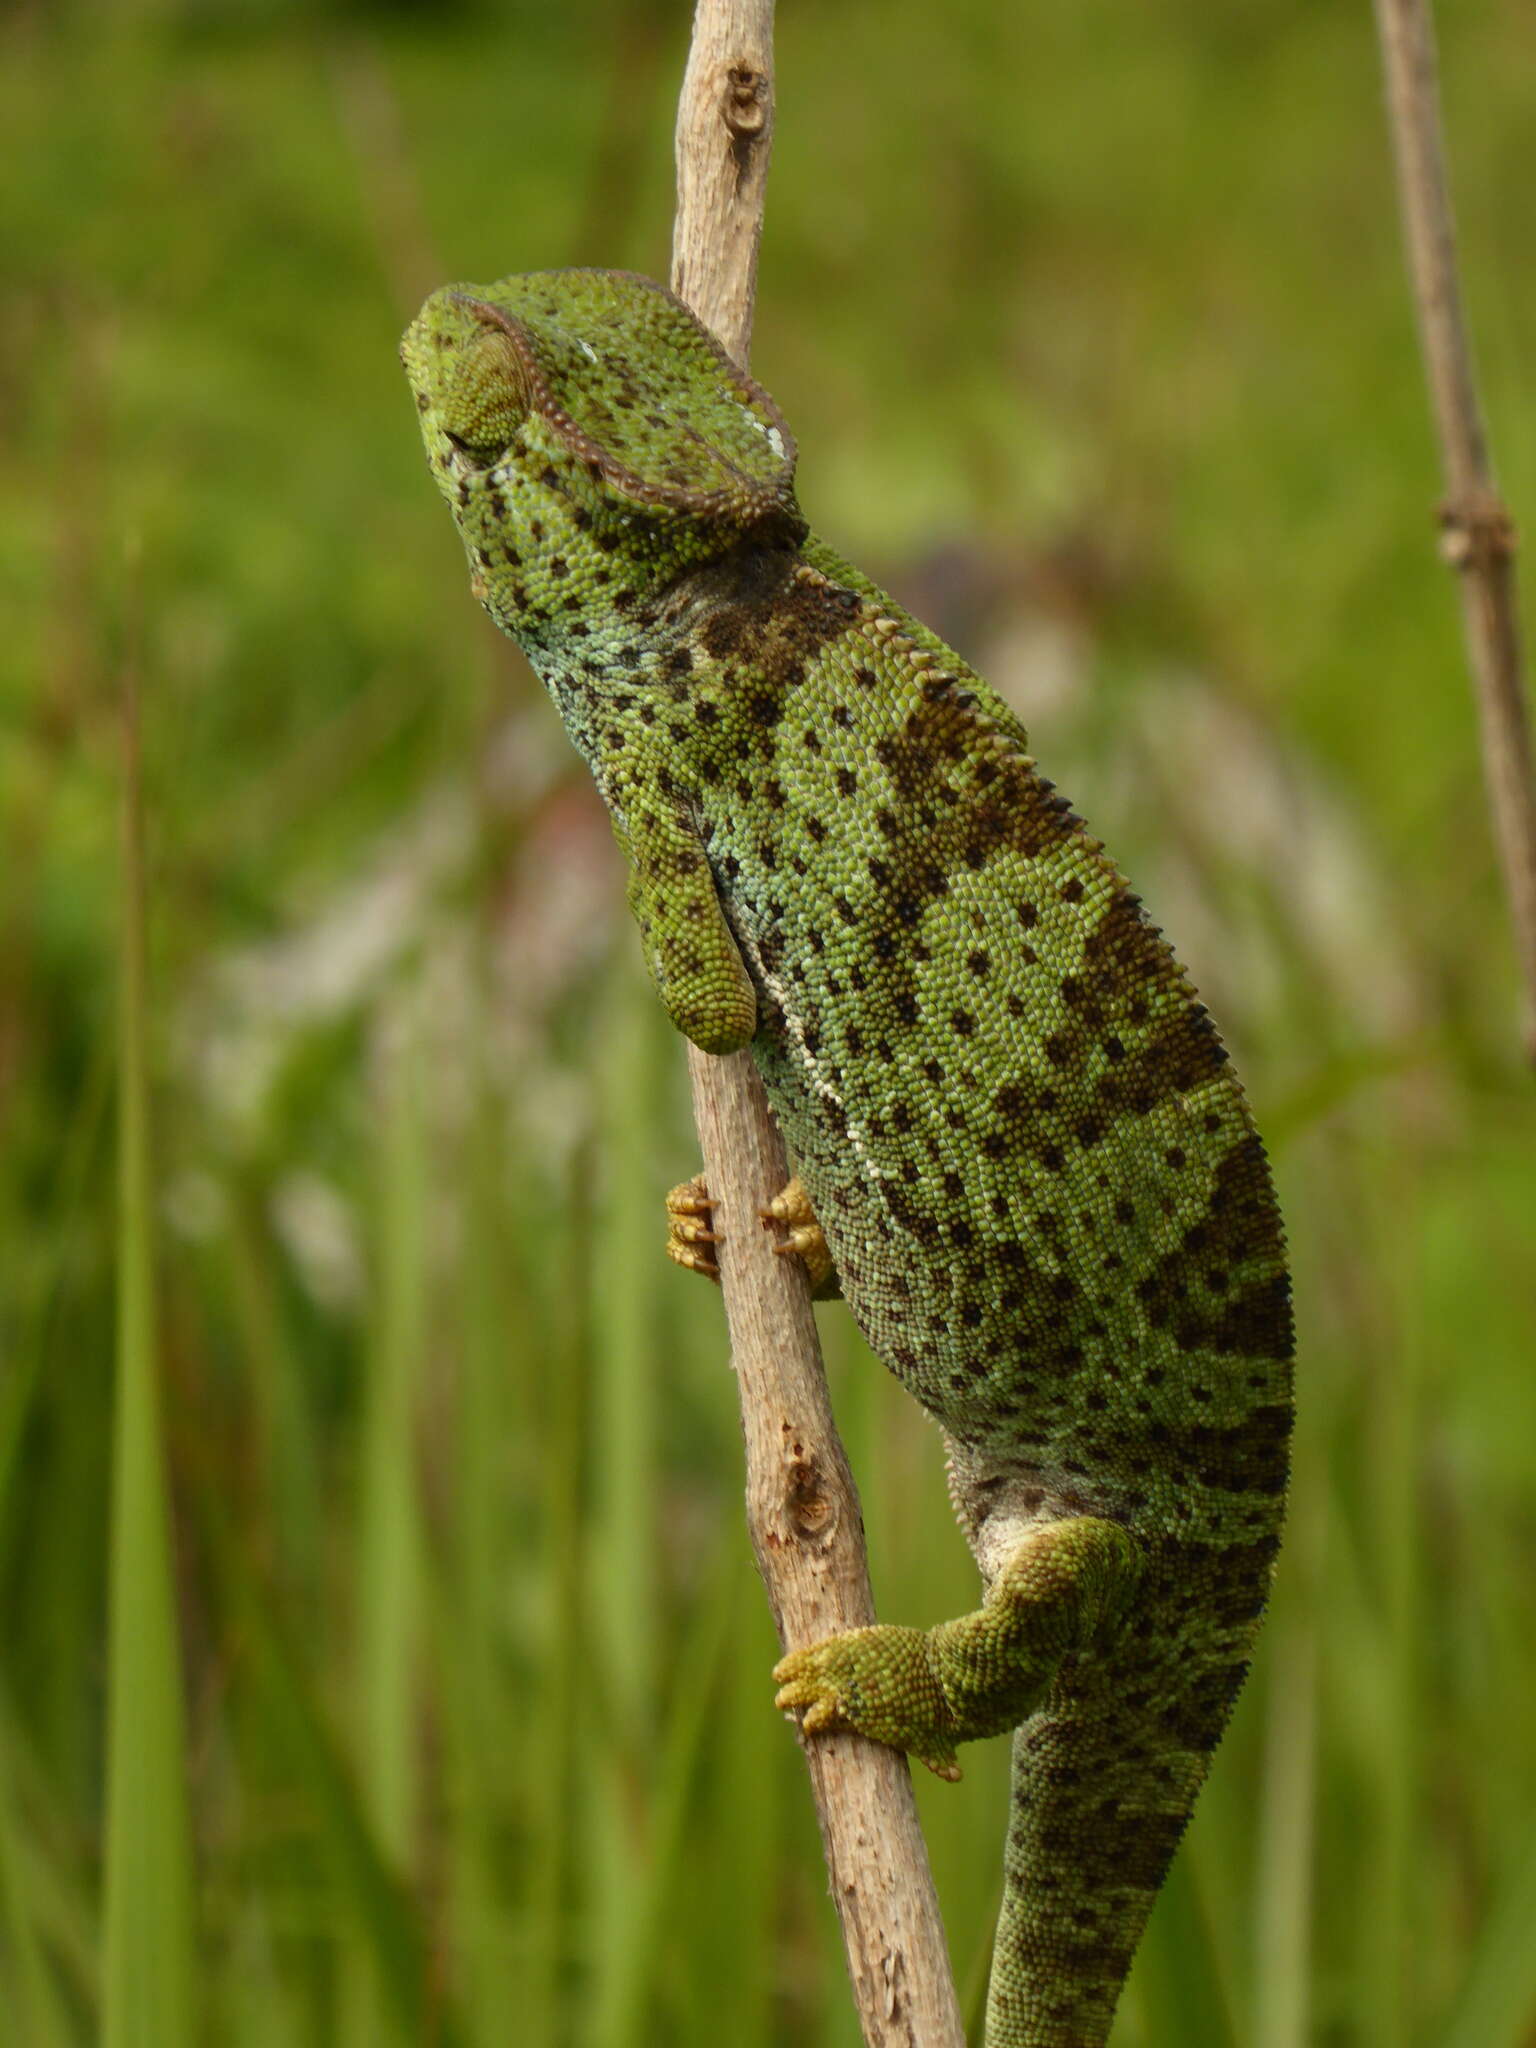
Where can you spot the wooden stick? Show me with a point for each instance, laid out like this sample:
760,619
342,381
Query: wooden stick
802,1506
1478,535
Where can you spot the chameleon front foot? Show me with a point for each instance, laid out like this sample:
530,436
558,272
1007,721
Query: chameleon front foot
880,1682
691,1236
806,1239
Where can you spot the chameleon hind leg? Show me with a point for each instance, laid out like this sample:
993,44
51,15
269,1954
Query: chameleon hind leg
1060,1590
691,1235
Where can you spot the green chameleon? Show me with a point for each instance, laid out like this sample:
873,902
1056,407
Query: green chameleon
1023,1158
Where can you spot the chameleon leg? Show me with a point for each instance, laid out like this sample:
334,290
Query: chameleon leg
923,1690
691,1232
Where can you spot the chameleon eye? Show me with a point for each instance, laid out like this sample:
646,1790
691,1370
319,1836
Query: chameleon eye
484,395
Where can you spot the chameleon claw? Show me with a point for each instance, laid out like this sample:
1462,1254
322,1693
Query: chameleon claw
822,1718
801,1243
693,1262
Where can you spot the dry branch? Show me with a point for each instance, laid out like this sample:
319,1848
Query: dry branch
802,1506
1478,533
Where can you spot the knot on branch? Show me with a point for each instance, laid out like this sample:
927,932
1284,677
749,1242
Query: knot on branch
810,1504
1476,531
745,102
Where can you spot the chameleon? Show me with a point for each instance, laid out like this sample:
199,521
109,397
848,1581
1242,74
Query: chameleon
1020,1148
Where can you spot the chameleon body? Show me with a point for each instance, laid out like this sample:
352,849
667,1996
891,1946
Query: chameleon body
1036,1174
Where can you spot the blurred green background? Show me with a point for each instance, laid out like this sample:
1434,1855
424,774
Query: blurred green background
1092,326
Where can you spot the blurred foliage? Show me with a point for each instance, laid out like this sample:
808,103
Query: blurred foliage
1092,327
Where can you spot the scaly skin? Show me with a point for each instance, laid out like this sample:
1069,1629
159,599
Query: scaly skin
1045,1199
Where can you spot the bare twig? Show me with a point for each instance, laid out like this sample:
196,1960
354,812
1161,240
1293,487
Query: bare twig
802,1506
1478,533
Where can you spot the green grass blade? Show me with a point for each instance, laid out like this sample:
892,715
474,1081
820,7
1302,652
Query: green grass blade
148,1992
26,1980
623,2018
1498,2007
1177,1974
390,1619
484,1783
374,1905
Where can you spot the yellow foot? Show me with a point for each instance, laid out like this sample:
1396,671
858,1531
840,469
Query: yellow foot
691,1236
806,1239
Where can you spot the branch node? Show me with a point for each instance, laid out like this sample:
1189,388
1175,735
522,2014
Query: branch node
745,101
1476,533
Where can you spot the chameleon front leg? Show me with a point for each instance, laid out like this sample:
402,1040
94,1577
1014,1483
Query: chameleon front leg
691,1234
1062,1589
689,948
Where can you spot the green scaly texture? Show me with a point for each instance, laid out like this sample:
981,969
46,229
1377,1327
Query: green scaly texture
1037,1176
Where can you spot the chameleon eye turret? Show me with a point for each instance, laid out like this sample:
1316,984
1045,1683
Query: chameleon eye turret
1023,1157
485,392
471,381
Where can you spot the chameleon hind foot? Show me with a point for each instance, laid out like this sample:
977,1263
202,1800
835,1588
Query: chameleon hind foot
1063,1588
880,1681
691,1236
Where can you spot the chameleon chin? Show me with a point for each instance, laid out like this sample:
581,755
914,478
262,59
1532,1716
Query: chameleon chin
1023,1157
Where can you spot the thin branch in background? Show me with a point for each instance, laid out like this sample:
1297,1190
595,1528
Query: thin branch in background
1478,533
802,1506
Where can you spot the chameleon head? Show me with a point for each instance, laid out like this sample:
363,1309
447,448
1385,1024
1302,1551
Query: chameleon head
583,422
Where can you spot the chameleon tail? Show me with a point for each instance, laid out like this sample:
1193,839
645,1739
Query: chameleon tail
1095,1817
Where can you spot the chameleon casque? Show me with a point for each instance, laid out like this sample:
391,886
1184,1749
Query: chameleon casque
1036,1175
